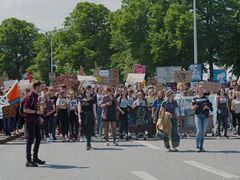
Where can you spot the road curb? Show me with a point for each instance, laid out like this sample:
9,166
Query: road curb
3,141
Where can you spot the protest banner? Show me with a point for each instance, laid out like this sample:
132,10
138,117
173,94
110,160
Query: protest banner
184,110
183,76
166,74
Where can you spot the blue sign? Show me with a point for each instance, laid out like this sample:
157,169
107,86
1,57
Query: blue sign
196,70
220,75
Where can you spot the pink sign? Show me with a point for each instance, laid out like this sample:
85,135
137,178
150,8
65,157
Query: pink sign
139,69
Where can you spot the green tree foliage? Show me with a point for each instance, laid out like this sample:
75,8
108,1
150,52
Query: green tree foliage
85,38
16,47
171,34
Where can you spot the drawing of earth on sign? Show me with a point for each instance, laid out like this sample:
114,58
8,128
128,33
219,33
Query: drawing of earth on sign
4,101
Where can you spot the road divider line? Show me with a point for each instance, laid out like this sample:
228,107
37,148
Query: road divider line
149,145
144,175
212,170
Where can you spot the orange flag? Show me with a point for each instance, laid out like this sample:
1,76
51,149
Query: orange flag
13,94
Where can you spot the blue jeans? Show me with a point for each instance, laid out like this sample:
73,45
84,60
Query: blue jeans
8,126
99,121
201,123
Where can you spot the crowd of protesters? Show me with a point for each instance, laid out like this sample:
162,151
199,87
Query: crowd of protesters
104,112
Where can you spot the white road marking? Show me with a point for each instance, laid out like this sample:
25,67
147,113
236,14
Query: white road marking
143,175
212,170
149,145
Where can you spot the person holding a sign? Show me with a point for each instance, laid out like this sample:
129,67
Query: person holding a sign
201,106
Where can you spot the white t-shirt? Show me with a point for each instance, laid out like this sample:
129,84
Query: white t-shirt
73,103
237,105
62,101
99,99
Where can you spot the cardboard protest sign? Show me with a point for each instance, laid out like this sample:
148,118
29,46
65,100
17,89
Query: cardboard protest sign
139,69
166,74
10,111
71,82
220,75
211,86
196,70
135,78
152,81
87,78
183,76
114,77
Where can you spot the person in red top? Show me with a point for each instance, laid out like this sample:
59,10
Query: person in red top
30,109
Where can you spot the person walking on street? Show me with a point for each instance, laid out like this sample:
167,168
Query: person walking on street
88,115
170,106
201,107
223,112
109,106
33,126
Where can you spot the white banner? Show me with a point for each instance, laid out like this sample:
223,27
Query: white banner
135,78
87,78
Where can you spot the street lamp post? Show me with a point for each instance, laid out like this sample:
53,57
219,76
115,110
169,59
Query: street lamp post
195,33
51,54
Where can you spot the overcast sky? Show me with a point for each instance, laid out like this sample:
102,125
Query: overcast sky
45,14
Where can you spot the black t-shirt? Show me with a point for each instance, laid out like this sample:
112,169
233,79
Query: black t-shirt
87,105
201,102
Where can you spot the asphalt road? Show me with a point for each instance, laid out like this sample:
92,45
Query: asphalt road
134,160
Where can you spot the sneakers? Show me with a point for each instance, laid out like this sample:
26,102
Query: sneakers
39,161
48,139
31,164
169,150
198,150
175,150
115,143
108,143
89,147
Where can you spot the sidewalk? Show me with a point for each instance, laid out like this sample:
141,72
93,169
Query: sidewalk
4,139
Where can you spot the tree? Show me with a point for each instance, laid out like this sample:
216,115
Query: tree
42,62
17,49
171,34
230,49
85,38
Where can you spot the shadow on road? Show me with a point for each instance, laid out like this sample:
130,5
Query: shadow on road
214,152
131,145
107,149
58,166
